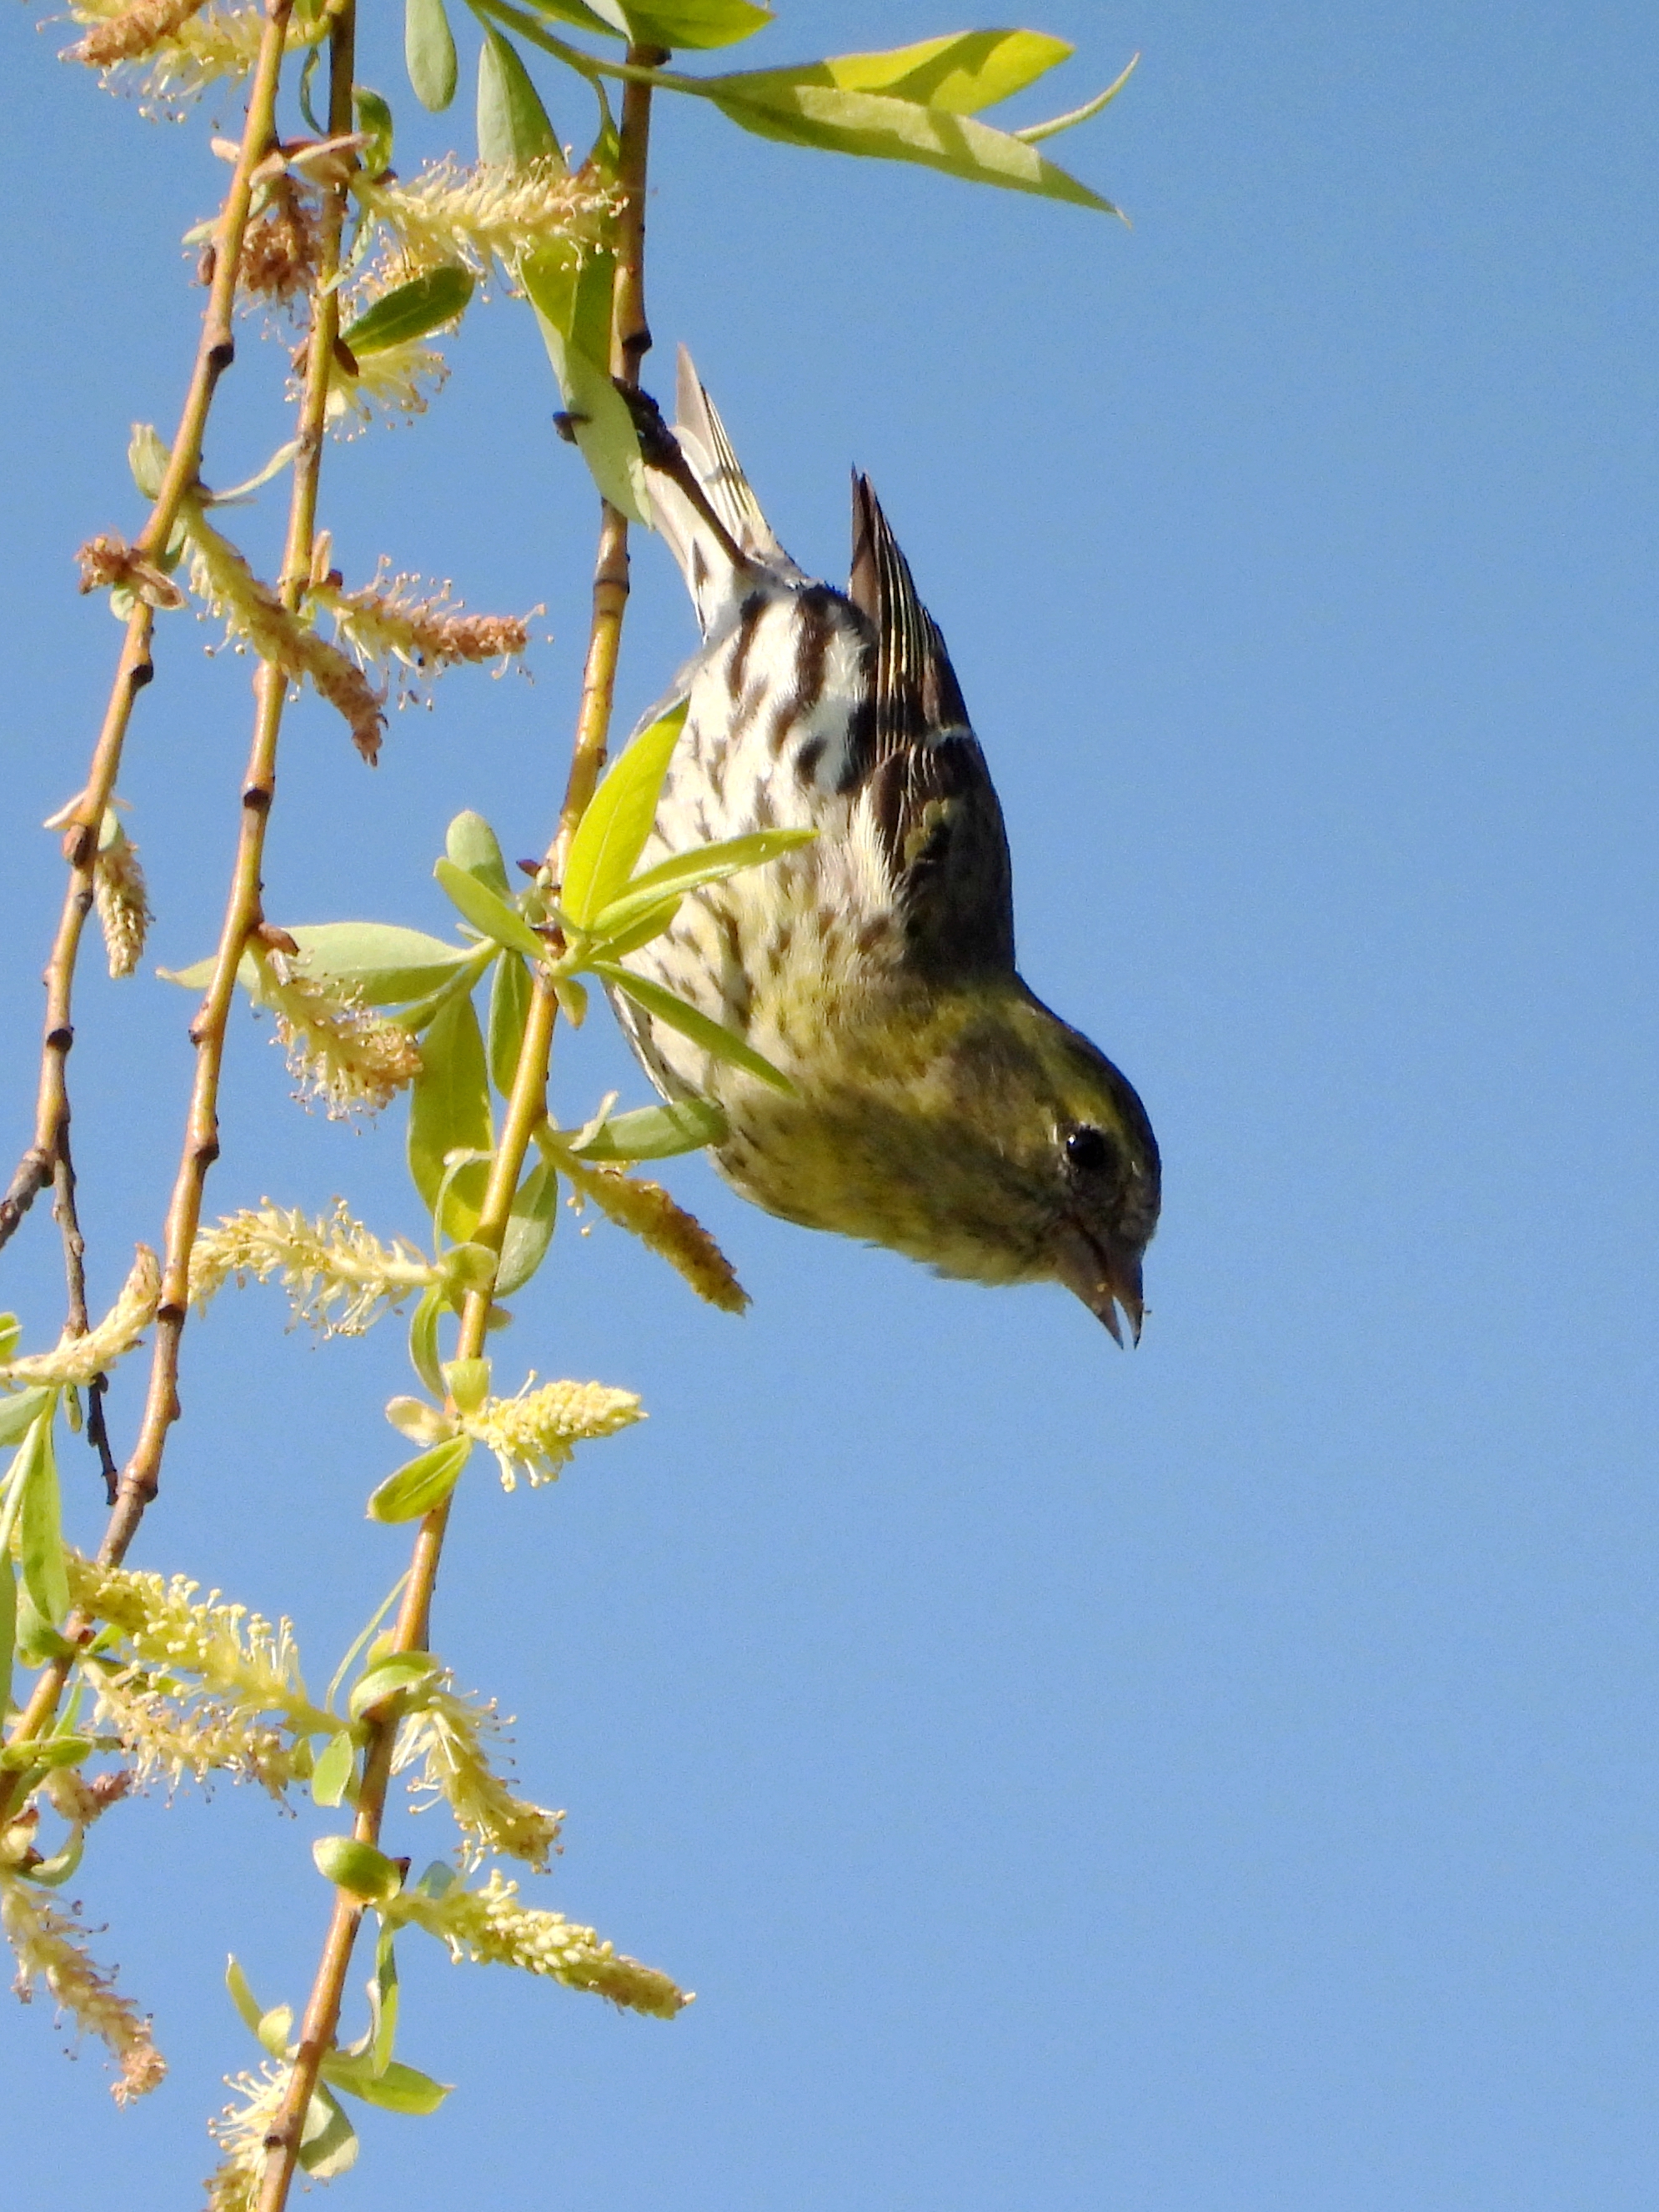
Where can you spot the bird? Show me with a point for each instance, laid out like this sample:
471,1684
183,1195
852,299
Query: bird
935,1105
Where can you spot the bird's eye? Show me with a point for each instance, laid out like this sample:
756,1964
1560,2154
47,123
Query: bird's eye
1088,1151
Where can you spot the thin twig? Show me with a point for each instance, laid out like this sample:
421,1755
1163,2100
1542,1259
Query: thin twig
526,1108
74,1244
214,354
75,1321
137,1483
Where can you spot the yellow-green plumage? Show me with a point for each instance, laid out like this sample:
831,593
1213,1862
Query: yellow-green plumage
937,1106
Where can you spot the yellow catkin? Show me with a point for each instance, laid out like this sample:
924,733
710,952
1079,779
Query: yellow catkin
648,1212
490,1926
535,1433
133,33
77,1359
251,610
50,1948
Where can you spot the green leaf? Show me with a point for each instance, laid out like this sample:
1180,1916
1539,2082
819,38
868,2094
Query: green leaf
694,23
410,311
466,1382
602,427
583,18
655,1132
397,2088
796,107
719,1042
957,75
468,1267
707,864
328,2143
652,923
509,1010
358,1867
1032,132
331,1776
374,120
39,1521
529,1229
148,458
61,1751
18,1414
449,1111
612,834
430,53
383,2000
472,844
51,1873
388,965
420,1484
423,1338
402,1671
480,906
241,1996
513,124
8,1622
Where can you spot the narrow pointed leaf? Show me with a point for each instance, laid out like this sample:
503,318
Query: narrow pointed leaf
1033,132
513,124
529,1229
652,923
421,1484
486,912
449,1109
618,820
331,1776
374,121
430,53
383,1999
410,311
402,1671
388,966
19,1415
241,1996
655,1132
694,24
8,1623
720,1043
40,1524
707,864
957,75
786,104
424,1339
400,2088
600,420
509,1009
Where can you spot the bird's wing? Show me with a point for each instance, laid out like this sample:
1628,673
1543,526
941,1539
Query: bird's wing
704,552
933,803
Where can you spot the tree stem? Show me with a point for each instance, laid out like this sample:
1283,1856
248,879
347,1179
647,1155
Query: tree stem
526,1108
215,352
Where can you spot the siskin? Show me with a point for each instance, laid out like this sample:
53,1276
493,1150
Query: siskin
938,1107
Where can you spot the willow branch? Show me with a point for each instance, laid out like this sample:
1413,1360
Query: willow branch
139,1479
215,352
526,1108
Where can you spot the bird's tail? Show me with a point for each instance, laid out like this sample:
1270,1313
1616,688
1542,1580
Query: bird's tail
714,548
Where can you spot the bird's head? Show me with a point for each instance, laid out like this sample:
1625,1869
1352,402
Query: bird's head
1070,1151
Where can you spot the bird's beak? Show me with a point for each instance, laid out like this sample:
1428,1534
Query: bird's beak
1104,1276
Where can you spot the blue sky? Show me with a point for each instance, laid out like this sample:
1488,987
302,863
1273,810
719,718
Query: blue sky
1219,1779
